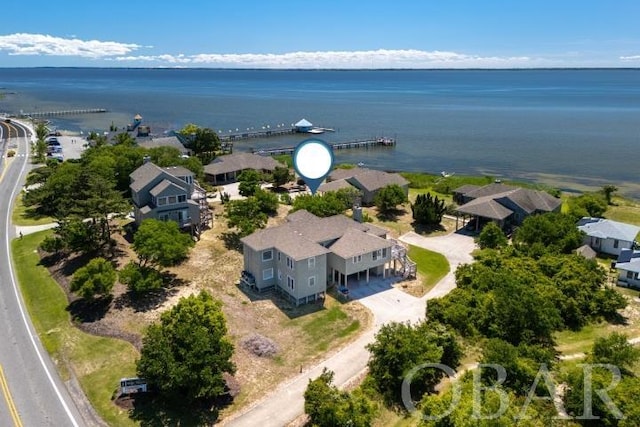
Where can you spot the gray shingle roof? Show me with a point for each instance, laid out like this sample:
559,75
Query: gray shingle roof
372,180
178,171
301,235
240,161
467,188
341,173
355,242
163,185
169,141
334,185
285,239
607,229
485,207
144,175
586,251
492,201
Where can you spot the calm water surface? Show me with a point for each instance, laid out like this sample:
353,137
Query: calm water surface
570,128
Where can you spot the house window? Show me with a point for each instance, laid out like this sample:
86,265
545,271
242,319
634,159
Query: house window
379,254
629,274
279,276
384,252
278,256
312,281
290,263
163,217
312,263
267,255
162,201
291,284
267,274
357,259
616,243
171,200
182,198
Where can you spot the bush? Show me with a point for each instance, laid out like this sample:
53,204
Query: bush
52,244
96,278
285,199
140,279
11,153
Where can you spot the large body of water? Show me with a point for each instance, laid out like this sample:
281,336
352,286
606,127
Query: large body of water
569,128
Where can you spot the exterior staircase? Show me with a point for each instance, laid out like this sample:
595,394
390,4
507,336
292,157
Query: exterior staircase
407,268
199,195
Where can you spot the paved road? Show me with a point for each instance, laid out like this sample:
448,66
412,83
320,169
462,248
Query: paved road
39,395
387,304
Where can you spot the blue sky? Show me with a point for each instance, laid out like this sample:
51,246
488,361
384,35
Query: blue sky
322,34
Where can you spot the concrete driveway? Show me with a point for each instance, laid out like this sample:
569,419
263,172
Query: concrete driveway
387,304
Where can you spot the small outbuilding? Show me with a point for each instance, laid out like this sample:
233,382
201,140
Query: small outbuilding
303,126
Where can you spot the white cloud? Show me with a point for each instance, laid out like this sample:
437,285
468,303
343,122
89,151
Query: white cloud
381,58
630,58
43,44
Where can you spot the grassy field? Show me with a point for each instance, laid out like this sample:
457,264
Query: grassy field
624,210
98,363
25,216
431,265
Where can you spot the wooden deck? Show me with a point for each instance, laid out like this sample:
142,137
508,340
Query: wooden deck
360,143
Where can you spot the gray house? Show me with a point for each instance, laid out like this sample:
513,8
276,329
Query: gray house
628,266
606,236
505,205
225,169
307,253
368,181
169,194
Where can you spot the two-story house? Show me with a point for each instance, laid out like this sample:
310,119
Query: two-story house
168,194
301,257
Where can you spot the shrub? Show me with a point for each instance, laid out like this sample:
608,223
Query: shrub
11,153
140,279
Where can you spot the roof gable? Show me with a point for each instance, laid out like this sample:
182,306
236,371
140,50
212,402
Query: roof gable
356,242
372,180
166,188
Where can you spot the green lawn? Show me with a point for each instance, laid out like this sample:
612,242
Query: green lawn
97,362
624,210
431,265
25,216
325,328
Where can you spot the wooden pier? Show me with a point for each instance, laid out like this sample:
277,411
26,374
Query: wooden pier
256,134
64,112
361,143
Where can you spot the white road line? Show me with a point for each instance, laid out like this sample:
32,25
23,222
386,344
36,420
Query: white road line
21,307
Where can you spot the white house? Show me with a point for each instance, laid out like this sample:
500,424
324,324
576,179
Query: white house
628,266
606,236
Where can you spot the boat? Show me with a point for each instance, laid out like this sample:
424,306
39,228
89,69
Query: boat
315,131
446,174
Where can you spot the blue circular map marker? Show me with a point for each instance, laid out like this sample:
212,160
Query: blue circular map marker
313,160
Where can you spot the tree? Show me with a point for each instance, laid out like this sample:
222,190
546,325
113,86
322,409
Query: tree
327,204
328,406
205,143
428,210
608,191
41,131
267,200
161,243
185,356
96,278
249,181
389,197
281,175
40,151
492,237
189,129
400,347
124,138
140,279
547,233
588,204
245,215
615,350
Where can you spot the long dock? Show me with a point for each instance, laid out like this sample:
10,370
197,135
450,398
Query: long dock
64,112
257,134
360,143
